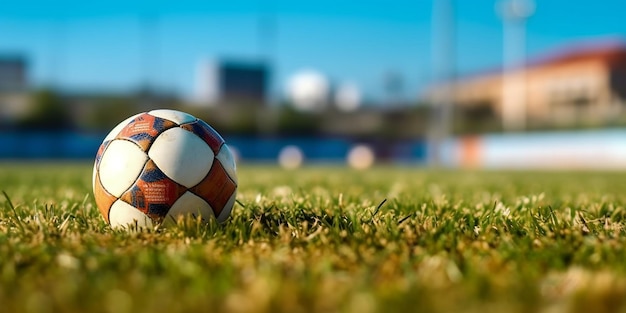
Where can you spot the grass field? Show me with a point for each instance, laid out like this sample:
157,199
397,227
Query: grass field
324,239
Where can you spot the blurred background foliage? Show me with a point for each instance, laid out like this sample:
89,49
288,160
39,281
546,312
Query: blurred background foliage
49,112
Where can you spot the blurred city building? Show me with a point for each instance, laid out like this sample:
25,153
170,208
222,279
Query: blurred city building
14,86
13,73
582,81
232,82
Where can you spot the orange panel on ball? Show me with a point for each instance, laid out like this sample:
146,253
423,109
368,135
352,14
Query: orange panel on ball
104,200
216,188
144,128
153,193
206,133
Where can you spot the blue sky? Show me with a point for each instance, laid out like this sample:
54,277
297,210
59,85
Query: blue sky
107,45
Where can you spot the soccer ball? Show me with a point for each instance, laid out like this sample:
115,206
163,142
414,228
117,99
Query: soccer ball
156,166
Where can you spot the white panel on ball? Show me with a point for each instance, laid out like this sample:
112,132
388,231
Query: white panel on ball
123,214
117,129
227,208
188,203
182,156
120,166
228,161
174,116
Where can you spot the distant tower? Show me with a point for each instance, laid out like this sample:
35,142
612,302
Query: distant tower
514,14
347,97
394,84
207,84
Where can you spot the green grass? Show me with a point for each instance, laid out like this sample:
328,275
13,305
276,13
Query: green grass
324,239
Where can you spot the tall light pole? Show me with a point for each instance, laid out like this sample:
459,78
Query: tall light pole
150,46
267,29
266,33
58,52
443,56
514,14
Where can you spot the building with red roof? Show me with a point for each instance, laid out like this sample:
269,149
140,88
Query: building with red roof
580,81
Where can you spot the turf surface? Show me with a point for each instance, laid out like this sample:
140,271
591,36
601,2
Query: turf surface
324,239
